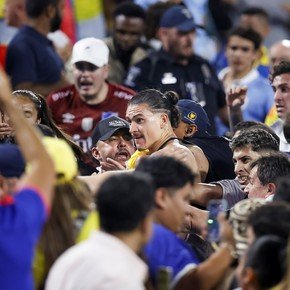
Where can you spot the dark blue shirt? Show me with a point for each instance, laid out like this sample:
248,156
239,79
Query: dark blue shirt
195,81
21,221
31,57
166,249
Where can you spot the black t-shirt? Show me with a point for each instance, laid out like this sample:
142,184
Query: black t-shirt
196,81
219,155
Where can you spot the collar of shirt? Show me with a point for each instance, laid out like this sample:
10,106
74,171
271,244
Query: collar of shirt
248,78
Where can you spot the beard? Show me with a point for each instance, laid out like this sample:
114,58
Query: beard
55,22
178,54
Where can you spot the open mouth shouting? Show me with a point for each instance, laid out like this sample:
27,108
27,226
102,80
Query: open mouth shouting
243,180
122,155
85,85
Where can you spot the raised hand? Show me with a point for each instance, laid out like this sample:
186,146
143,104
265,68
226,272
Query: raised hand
236,96
111,164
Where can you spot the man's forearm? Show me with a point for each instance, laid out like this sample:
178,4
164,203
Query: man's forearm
204,192
209,273
235,116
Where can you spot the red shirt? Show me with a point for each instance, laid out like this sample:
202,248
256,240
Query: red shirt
78,119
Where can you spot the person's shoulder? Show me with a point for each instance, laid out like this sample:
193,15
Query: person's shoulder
146,61
30,203
62,94
178,144
139,54
77,253
199,59
159,229
277,126
222,74
121,91
24,36
162,237
19,42
152,57
260,80
69,262
212,138
203,63
164,245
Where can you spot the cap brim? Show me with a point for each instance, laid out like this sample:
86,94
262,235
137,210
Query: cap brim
188,26
111,132
84,59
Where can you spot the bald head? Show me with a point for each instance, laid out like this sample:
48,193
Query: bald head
279,51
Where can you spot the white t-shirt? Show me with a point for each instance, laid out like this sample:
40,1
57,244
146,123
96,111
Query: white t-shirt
278,129
103,262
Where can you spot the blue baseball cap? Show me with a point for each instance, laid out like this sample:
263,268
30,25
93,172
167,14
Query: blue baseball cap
178,17
12,163
193,113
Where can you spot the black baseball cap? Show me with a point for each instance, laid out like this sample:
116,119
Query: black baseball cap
107,127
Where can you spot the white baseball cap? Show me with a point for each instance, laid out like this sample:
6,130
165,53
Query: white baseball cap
91,50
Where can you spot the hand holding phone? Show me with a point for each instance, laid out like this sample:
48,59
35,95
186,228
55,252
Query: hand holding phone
214,207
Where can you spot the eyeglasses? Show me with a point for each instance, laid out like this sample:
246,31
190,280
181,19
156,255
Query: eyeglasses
86,66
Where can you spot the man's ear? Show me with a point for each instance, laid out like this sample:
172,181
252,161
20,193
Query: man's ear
163,120
271,189
161,195
96,153
106,70
190,130
162,32
249,279
50,11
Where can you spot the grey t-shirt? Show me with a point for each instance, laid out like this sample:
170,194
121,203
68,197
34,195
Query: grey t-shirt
232,191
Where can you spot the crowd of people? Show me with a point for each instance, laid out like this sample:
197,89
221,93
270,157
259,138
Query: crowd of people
112,149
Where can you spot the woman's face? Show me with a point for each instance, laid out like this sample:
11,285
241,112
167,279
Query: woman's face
145,125
27,107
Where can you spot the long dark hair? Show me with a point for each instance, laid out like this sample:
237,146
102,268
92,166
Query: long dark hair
158,101
60,231
45,117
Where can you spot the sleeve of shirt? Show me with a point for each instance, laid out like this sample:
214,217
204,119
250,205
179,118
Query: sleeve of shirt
27,211
232,191
20,64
